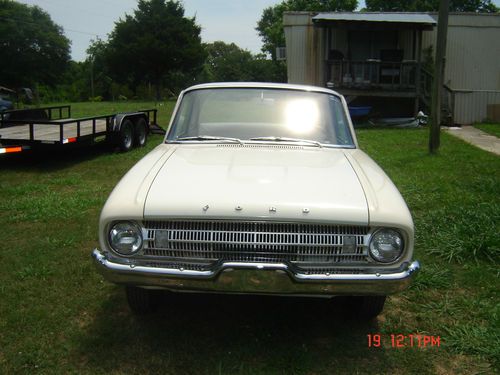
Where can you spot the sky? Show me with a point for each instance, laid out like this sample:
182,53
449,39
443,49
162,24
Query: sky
226,20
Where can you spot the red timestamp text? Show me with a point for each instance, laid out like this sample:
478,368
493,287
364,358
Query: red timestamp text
413,340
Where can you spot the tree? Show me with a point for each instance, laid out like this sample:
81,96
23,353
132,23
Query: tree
228,62
264,70
99,76
482,6
158,40
270,25
72,86
34,48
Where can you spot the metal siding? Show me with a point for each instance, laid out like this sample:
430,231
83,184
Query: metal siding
297,18
473,19
473,56
472,52
311,56
471,107
304,49
319,55
296,43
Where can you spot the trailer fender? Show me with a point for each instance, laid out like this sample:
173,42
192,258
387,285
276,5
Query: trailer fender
121,117
135,134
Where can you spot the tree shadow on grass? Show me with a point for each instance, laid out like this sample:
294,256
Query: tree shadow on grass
52,158
49,158
195,333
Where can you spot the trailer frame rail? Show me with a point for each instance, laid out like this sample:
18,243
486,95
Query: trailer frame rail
17,135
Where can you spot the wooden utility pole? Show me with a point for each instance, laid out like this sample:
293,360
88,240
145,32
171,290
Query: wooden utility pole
92,77
442,29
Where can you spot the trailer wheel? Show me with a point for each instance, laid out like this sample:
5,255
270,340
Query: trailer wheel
125,138
140,132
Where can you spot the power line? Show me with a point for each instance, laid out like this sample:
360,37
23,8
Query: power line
36,24
69,7
84,32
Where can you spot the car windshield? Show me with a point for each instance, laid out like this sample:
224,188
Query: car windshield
257,114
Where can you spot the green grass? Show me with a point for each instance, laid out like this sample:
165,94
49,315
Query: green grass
453,196
57,315
493,129
85,109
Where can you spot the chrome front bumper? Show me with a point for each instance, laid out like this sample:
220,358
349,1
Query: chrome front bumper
255,278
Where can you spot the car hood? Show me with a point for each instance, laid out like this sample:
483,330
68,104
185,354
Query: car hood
229,181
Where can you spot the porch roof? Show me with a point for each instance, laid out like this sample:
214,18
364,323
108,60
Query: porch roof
389,19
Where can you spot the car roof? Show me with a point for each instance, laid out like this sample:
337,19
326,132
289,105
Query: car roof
261,85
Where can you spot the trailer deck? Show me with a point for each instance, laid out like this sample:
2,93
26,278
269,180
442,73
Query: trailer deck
52,134
19,130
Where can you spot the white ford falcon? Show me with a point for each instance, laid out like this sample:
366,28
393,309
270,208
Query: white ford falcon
258,188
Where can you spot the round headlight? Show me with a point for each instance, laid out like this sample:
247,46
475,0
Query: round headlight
125,238
386,245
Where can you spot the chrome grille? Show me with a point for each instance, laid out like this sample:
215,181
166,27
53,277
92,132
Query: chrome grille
306,247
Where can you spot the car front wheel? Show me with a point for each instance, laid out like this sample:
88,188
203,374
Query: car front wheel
368,307
142,301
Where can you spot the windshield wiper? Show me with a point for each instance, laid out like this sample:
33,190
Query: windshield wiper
286,139
208,138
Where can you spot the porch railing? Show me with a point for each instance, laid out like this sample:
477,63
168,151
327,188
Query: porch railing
373,74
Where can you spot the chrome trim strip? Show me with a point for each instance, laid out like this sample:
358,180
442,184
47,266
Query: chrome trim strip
269,143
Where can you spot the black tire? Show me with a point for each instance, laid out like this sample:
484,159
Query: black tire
142,301
126,136
140,132
368,307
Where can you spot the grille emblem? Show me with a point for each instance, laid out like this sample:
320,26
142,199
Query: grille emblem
305,210
272,209
206,208
238,208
